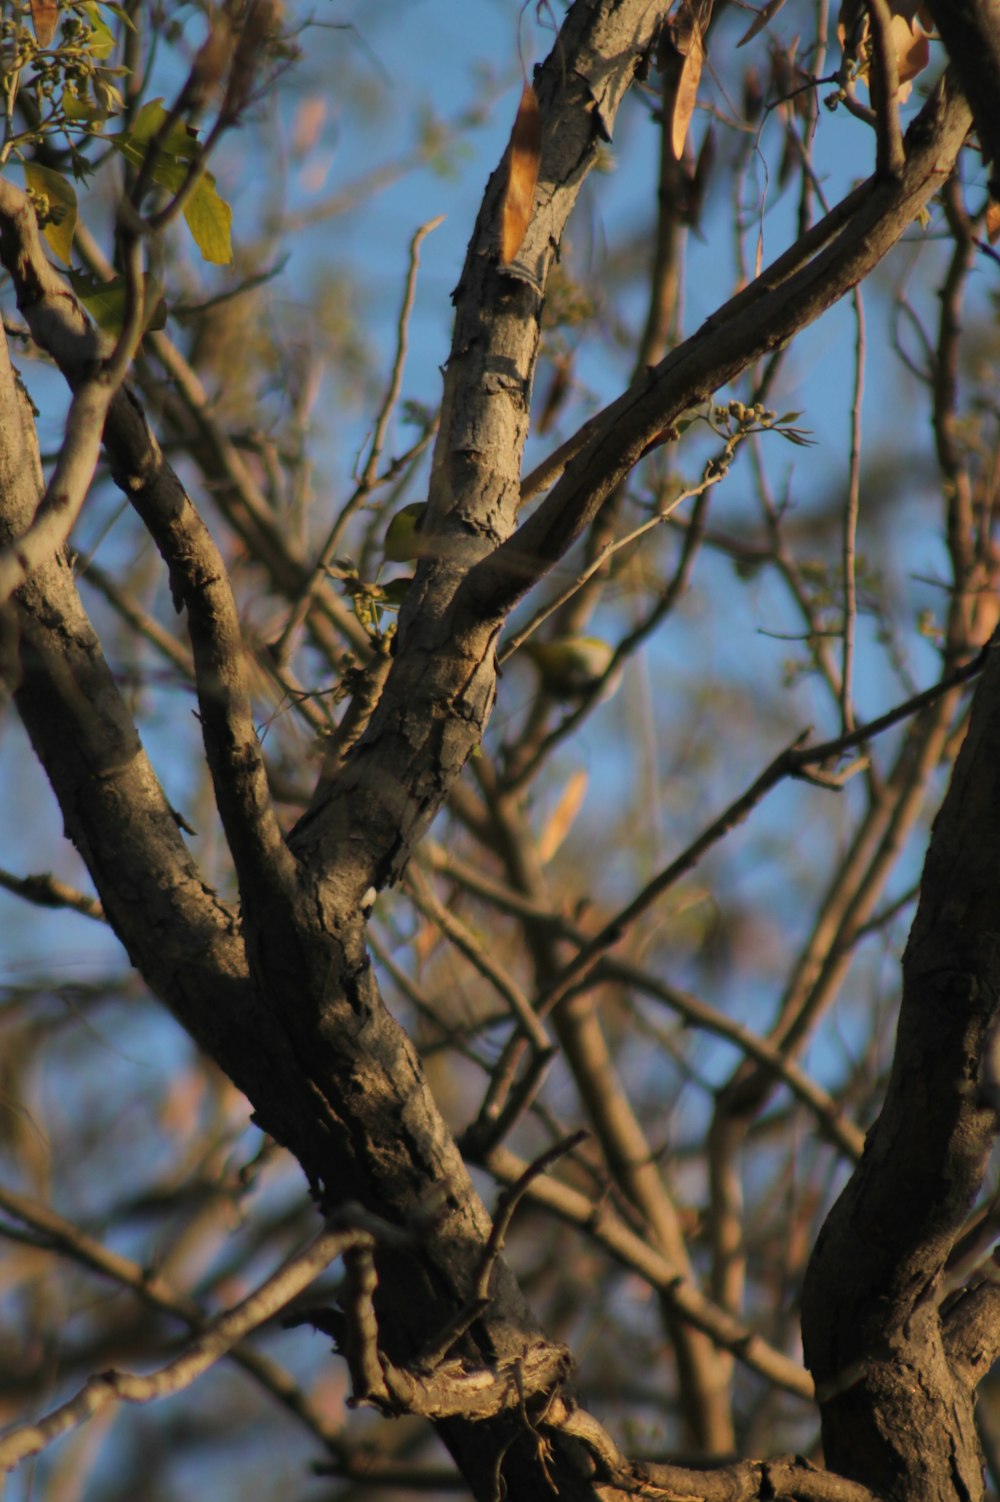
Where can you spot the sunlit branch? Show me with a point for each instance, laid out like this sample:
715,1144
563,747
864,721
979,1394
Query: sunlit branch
70,1241
222,1335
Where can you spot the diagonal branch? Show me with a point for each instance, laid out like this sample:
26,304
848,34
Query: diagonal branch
217,1341
153,1289
784,299
198,575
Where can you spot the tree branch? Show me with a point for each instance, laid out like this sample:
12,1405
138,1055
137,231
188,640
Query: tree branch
870,1295
970,32
199,579
218,1340
784,299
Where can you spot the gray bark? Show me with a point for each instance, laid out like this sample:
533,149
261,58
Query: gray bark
283,994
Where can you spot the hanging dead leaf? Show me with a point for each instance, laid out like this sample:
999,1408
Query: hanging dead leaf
425,941
689,43
753,96
852,27
913,50
760,20
791,155
563,816
45,19
699,182
786,81
523,157
559,389
910,40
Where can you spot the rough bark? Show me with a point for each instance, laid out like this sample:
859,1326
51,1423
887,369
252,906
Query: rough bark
894,1379
283,995
970,29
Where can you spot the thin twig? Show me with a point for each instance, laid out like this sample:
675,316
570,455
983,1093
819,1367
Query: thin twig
637,1252
218,1340
48,891
851,511
793,761
465,941
369,477
714,473
60,1235
512,1197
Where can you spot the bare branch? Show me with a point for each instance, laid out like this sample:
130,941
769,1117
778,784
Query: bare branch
611,1232
111,1387
788,296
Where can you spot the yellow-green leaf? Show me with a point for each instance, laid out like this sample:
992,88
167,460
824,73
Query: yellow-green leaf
180,140
101,43
80,111
57,198
209,218
207,214
106,302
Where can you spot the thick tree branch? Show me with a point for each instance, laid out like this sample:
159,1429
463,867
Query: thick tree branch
870,1300
302,1027
198,575
970,30
441,689
784,299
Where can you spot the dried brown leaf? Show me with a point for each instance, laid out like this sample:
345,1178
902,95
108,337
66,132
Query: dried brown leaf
910,41
427,939
524,155
555,397
760,20
699,182
45,19
993,221
791,156
692,47
852,27
563,816
913,50
753,96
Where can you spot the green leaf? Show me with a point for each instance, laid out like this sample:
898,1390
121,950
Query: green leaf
120,12
181,140
106,302
207,214
110,100
102,41
209,218
81,111
57,197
